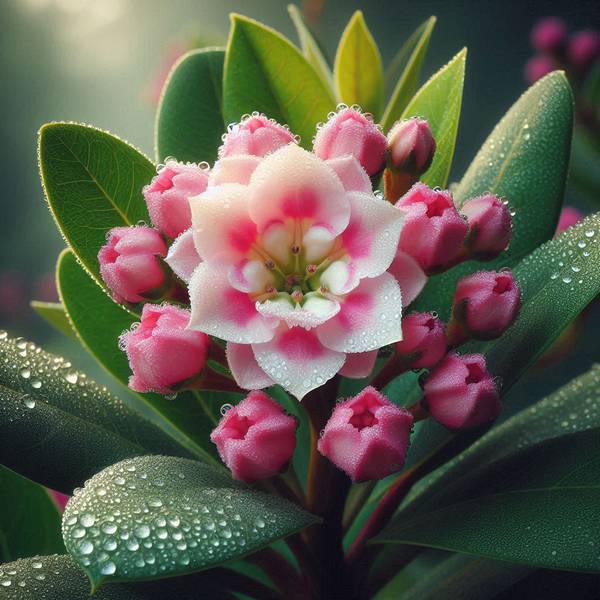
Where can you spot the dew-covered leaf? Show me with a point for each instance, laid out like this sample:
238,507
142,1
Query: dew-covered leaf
157,516
54,314
93,181
190,115
59,427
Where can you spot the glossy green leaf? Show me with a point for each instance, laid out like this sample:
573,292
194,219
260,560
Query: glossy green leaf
29,519
439,101
189,122
357,71
155,516
58,427
310,47
187,419
406,68
93,181
524,160
264,72
54,314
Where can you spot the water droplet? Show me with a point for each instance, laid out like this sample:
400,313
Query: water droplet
28,401
143,531
108,569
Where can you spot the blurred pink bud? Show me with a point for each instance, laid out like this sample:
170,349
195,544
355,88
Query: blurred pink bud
549,35
350,132
537,67
423,340
569,216
489,226
255,439
460,393
129,263
167,196
60,499
163,355
255,135
367,436
433,231
485,304
584,48
410,146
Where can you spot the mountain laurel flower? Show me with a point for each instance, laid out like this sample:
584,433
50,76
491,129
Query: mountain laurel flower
485,305
433,232
489,226
460,393
549,35
410,146
255,439
167,196
539,66
164,356
424,341
367,436
129,263
584,48
350,132
293,270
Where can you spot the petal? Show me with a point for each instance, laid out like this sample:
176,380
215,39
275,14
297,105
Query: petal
340,277
223,230
277,240
222,311
369,318
294,184
372,235
250,276
234,169
317,242
245,369
359,364
351,174
315,310
410,276
183,257
296,360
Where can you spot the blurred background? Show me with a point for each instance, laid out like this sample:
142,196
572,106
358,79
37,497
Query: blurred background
102,62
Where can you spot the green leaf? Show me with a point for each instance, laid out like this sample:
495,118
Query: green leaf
310,47
186,419
159,516
58,427
439,101
189,122
264,72
406,71
524,160
93,181
29,519
357,70
54,314
585,166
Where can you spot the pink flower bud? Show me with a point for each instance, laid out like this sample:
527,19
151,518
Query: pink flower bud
255,135
129,263
423,340
167,196
549,35
584,48
367,436
433,231
569,216
350,132
410,146
538,67
460,393
489,226
485,304
164,355
255,439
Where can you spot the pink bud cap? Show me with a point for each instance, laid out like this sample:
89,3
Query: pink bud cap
569,216
367,436
423,340
538,67
584,48
350,132
129,265
167,197
255,439
460,393
489,226
255,135
549,35
433,231
164,355
411,146
486,303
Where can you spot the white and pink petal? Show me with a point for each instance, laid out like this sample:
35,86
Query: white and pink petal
314,311
244,368
183,257
410,276
359,365
353,177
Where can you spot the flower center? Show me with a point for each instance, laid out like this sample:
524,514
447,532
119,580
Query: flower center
475,375
363,419
239,426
